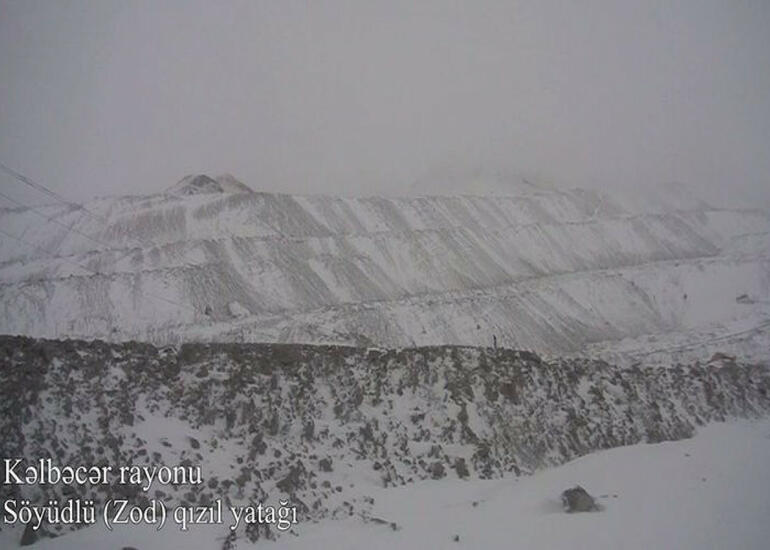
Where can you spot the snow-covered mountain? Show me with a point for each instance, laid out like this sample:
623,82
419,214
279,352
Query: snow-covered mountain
555,271
215,266
200,183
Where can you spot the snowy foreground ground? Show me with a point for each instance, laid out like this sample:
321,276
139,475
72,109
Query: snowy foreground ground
712,491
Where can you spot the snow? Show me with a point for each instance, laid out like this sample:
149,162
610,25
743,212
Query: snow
237,310
707,492
555,271
711,491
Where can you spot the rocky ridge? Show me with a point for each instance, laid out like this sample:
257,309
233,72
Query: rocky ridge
317,425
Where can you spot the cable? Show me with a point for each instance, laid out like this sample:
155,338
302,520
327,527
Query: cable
81,266
43,189
33,184
57,222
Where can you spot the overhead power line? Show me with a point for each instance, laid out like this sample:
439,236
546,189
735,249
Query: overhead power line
25,180
59,198
93,271
63,200
54,220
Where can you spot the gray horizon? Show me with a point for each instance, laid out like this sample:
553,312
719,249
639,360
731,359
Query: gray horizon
106,98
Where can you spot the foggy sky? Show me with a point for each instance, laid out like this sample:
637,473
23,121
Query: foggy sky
354,97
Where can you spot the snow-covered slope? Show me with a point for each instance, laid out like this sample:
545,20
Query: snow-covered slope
689,495
556,271
325,427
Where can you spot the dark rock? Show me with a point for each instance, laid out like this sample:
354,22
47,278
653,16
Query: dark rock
29,536
461,468
577,499
293,481
437,470
308,431
325,464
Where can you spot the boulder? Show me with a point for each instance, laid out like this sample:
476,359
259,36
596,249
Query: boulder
577,499
29,537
